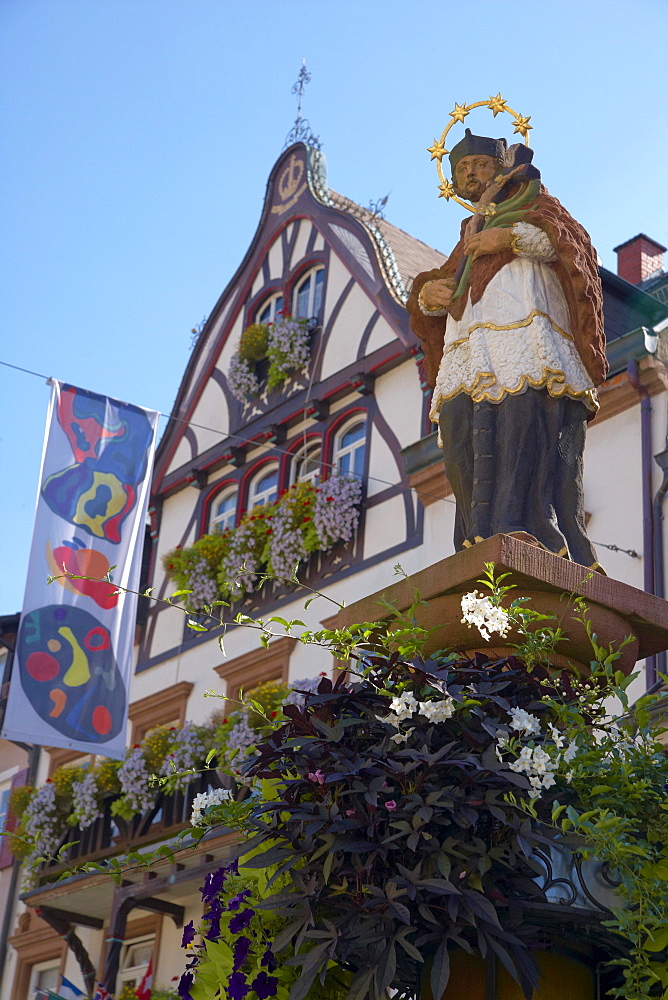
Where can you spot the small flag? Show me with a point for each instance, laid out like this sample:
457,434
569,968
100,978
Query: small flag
101,993
144,988
68,991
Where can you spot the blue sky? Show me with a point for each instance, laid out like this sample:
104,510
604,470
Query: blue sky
139,135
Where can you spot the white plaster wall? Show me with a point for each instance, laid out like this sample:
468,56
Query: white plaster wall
210,421
182,455
299,249
344,340
400,401
231,344
385,526
613,492
338,277
383,470
257,283
276,260
319,243
381,334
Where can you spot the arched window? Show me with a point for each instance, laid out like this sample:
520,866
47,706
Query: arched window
349,448
306,464
223,512
270,309
308,294
264,489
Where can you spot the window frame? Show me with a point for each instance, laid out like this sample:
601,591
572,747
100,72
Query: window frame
135,972
304,453
226,492
310,274
262,473
270,302
339,450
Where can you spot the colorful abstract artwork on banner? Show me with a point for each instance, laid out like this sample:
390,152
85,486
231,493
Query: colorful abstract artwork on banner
74,650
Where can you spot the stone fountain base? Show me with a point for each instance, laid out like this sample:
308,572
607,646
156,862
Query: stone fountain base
614,609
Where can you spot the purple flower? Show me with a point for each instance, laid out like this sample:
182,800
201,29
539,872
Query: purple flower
265,986
390,805
237,900
241,921
241,949
270,960
317,776
188,934
215,881
237,988
213,917
185,982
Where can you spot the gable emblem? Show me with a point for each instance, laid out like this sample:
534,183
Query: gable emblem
290,184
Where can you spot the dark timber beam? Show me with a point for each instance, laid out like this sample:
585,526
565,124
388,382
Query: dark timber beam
161,906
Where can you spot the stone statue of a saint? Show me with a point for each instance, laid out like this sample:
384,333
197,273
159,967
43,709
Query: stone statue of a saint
512,331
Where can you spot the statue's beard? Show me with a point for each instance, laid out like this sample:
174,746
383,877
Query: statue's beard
470,192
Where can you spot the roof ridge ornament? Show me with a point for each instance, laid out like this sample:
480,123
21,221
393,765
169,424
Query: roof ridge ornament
301,130
438,150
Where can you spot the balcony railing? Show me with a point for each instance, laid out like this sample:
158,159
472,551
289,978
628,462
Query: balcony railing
111,835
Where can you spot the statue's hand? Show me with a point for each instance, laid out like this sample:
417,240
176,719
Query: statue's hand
488,241
437,294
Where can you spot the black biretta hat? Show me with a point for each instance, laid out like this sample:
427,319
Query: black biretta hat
477,145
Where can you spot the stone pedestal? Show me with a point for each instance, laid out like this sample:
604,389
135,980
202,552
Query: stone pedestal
615,609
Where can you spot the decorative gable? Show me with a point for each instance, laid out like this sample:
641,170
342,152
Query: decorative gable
304,230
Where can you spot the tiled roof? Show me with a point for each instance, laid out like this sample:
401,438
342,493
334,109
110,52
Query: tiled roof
411,254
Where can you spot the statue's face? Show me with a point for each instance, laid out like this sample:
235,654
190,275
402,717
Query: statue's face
472,175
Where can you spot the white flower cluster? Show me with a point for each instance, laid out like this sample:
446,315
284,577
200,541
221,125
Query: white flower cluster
135,780
202,584
286,548
203,800
42,822
336,512
538,766
524,722
539,763
85,801
188,751
238,569
241,379
486,616
404,706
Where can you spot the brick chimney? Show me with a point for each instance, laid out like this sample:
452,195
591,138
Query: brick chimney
639,258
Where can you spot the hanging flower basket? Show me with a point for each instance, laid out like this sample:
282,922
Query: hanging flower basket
273,538
285,344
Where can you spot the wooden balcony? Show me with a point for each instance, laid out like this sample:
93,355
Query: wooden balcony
111,835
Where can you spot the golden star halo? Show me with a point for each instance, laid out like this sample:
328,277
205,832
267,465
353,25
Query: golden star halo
522,125
459,114
496,104
438,150
446,189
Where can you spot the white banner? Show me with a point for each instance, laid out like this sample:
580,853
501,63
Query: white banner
74,651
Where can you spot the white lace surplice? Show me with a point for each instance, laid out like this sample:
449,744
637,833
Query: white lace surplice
517,336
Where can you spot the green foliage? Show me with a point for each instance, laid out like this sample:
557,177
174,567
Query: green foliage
254,342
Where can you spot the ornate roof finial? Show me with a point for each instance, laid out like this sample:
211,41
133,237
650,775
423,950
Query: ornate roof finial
301,130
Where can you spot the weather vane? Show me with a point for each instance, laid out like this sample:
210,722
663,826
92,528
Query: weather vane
438,150
301,130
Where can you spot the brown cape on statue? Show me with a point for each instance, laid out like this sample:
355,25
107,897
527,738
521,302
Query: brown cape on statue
512,331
